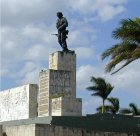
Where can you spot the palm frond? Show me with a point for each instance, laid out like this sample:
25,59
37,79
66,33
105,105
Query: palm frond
129,48
136,53
109,52
122,67
92,88
114,62
97,94
129,30
134,108
108,109
99,109
114,103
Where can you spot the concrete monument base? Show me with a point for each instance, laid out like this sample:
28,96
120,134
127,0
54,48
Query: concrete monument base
48,130
95,125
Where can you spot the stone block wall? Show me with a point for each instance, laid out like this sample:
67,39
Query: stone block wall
49,130
0,130
54,84
66,62
23,130
18,103
61,83
65,106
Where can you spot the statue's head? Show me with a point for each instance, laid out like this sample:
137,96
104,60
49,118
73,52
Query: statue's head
59,14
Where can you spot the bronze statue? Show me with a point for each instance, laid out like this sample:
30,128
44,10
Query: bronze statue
61,26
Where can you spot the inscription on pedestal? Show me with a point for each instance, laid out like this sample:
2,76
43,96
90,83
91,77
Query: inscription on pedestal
44,106
60,83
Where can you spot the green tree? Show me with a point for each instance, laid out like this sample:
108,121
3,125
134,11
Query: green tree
113,107
133,109
128,50
101,89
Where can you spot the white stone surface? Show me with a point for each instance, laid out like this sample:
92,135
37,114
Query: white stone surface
44,93
0,130
22,130
18,103
64,106
53,83
62,61
67,62
59,81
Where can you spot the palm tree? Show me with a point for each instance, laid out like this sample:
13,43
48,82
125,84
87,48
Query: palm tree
100,88
133,109
113,107
128,49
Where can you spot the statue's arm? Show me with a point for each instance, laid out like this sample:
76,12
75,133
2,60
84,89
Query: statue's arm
64,24
57,24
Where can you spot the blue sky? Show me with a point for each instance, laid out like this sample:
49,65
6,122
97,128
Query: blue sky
26,42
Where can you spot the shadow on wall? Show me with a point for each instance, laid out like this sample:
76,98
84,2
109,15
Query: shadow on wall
4,134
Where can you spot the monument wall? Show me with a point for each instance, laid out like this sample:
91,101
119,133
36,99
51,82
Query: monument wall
18,103
53,84
56,82
0,130
49,130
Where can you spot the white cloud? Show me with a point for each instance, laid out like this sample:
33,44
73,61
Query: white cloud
30,77
84,74
104,9
15,12
90,105
24,39
28,67
29,73
12,44
32,42
85,52
108,12
126,80
31,31
80,38
37,53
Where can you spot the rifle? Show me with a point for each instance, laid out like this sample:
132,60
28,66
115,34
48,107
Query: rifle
55,34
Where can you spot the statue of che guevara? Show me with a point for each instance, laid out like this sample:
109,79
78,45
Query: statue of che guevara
61,26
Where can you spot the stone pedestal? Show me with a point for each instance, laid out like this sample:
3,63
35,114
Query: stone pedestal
64,106
66,62
59,82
